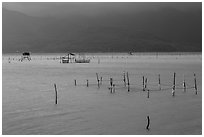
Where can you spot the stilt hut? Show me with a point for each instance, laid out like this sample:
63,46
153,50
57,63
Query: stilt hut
72,58
25,55
69,58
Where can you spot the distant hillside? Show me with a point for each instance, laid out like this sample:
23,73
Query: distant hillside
165,30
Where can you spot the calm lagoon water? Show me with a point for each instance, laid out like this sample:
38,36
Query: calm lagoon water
28,102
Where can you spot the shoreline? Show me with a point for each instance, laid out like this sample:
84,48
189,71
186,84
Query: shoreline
114,53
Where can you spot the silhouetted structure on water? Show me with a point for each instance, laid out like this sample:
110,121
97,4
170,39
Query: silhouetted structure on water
25,55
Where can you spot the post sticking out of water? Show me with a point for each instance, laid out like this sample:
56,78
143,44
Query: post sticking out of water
9,60
124,79
143,83
195,84
55,93
148,123
159,84
184,84
101,80
128,82
87,83
174,85
113,88
97,79
111,85
75,82
147,93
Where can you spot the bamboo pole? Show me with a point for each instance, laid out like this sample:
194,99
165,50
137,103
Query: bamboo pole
97,79
9,60
101,80
184,84
148,123
143,78
174,85
159,84
87,83
113,88
75,82
147,93
128,82
124,79
196,92
145,84
55,93
111,85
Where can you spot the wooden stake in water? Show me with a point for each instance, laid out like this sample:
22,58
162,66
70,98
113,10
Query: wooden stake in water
124,79
87,83
143,83
128,82
174,85
195,84
55,93
101,80
148,123
159,84
111,84
147,93
184,84
75,82
113,88
97,79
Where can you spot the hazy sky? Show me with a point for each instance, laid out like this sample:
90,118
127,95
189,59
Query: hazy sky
58,8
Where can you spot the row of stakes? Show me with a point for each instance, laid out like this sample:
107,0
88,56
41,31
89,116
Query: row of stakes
144,83
112,87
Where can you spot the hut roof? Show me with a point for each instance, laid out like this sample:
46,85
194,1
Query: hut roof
26,54
72,54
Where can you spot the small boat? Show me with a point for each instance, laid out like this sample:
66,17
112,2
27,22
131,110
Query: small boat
82,60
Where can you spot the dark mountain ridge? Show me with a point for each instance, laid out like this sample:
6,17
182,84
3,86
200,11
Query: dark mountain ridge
164,30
